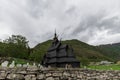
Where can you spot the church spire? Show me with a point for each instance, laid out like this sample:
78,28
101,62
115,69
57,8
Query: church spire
55,39
55,34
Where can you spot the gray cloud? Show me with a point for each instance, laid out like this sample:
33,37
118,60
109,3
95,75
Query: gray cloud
95,22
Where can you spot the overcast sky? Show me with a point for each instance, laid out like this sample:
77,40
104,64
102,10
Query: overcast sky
91,21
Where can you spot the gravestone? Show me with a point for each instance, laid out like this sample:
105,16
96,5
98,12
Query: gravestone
5,64
25,65
19,65
40,66
12,65
34,64
28,64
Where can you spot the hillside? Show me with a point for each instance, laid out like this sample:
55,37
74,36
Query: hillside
83,51
110,50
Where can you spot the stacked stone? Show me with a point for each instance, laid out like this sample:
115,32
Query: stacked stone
35,73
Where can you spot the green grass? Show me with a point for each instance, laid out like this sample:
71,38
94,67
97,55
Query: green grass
105,67
17,61
20,61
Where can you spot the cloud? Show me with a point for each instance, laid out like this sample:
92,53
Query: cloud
94,22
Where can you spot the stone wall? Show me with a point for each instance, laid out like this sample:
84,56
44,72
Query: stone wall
35,73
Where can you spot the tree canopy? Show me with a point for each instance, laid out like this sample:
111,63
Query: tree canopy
15,46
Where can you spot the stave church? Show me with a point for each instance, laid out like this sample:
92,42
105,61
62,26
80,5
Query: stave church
59,55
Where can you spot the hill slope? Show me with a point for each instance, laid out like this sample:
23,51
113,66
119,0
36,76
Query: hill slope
82,51
110,50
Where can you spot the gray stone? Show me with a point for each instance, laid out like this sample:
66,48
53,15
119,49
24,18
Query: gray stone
57,74
30,77
66,74
15,76
50,78
48,74
32,68
22,72
11,76
41,76
2,75
19,76
56,78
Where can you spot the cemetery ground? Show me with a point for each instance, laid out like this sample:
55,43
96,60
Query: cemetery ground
16,61
92,67
104,67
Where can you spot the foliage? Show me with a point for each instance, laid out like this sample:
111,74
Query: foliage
83,50
110,50
104,67
39,51
3,49
84,61
14,46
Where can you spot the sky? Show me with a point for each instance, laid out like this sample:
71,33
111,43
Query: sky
92,21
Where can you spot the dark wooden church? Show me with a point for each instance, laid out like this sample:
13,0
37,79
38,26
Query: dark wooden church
59,55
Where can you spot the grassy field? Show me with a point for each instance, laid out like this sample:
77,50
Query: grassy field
105,67
19,61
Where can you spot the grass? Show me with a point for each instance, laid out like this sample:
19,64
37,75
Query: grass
105,67
20,61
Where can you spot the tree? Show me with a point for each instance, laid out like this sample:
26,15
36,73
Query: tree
17,46
3,50
18,40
